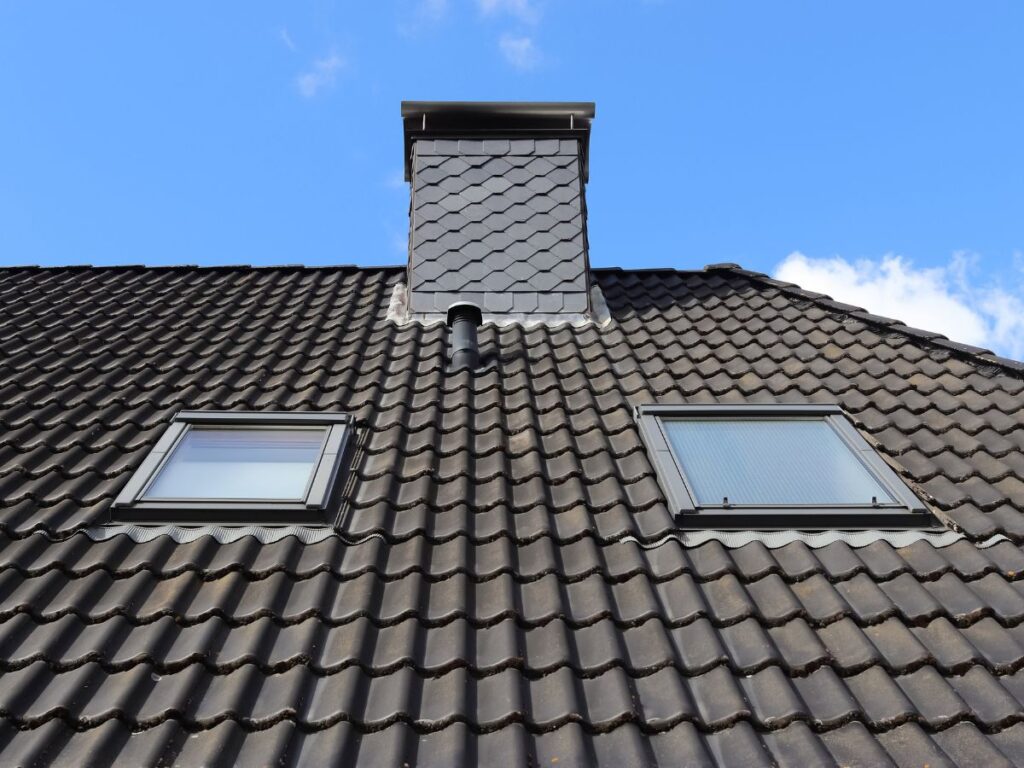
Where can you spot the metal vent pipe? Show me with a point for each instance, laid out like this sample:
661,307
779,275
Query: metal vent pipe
464,318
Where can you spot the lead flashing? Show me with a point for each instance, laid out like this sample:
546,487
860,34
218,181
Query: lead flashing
729,539
223,534
399,312
817,539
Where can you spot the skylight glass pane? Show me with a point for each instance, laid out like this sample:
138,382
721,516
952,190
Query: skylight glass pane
247,464
770,461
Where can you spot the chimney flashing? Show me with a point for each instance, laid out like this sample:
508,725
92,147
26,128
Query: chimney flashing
400,312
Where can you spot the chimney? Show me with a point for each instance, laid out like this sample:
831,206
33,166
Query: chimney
497,215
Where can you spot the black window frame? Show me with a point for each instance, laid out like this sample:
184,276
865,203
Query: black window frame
132,506
907,511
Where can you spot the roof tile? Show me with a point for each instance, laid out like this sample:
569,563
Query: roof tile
499,609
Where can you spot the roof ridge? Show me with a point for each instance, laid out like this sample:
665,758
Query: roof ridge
975,354
674,270
197,267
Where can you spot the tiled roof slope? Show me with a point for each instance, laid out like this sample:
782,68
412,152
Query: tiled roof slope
502,591
499,223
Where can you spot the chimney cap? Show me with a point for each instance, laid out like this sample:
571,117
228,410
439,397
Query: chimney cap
465,119
536,109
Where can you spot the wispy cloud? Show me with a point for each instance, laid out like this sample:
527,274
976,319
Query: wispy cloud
423,15
287,39
396,179
321,74
521,52
524,10
432,10
946,299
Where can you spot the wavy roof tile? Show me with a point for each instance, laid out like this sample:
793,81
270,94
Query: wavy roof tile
505,584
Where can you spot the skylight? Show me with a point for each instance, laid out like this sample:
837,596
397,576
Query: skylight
251,467
240,463
773,467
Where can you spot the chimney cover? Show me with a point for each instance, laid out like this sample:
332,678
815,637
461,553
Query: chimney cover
444,119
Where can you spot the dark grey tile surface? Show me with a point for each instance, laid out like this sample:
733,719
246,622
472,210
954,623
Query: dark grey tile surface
509,606
499,223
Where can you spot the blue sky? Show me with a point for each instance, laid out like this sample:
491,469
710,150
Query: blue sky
871,150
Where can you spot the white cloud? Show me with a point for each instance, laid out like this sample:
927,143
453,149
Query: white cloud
321,74
520,52
432,10
287,39
524,10
943,299
422,16
396,179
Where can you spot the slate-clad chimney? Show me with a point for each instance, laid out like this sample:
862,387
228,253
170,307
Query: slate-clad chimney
497,216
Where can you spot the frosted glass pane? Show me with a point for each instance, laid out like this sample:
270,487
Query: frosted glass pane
224,464
762,461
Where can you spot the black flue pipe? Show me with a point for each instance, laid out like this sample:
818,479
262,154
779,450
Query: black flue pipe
464,318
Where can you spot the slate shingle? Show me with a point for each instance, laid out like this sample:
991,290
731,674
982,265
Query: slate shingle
498,223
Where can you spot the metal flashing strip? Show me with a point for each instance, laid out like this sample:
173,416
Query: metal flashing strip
816,539
526,319
223,534
267,534
398,312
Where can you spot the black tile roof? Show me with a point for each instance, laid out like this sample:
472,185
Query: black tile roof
501,590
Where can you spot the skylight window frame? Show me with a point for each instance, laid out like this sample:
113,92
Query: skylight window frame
906,511
131,504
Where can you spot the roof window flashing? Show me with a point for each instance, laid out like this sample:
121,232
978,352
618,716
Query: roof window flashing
773,467
236,467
